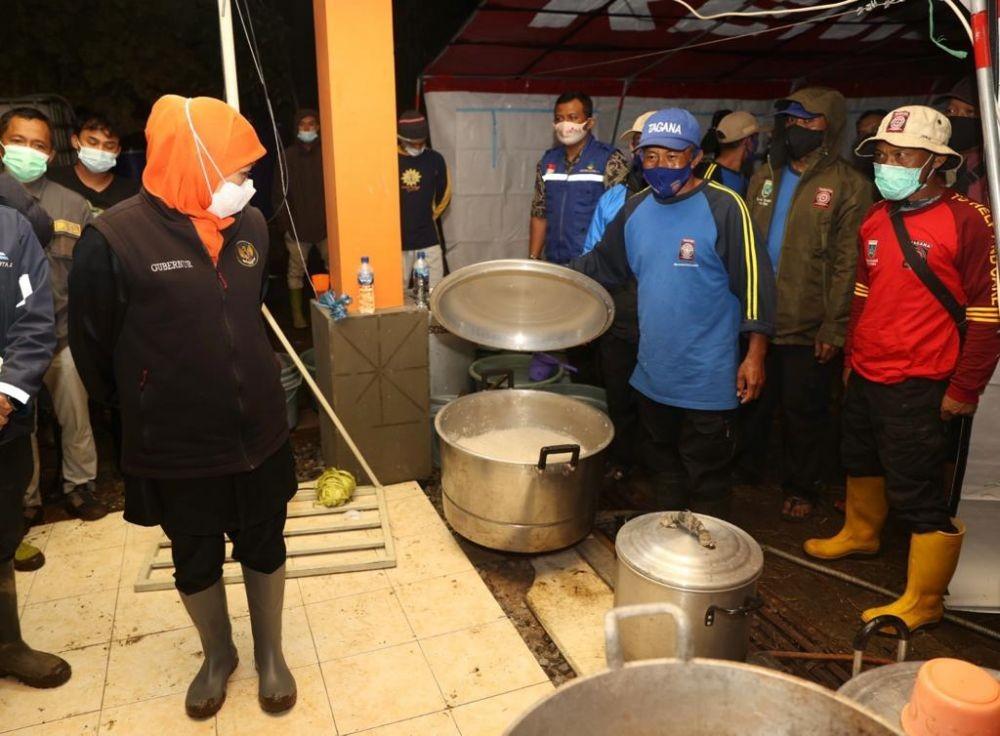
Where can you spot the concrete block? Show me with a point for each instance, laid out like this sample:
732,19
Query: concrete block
374,371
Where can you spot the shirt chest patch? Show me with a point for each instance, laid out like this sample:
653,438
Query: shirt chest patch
823,198
871,253
66,227
686,254
246,254
923,249
410,180
764,198
5,261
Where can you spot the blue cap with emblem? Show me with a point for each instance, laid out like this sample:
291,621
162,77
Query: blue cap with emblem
795,109
673,128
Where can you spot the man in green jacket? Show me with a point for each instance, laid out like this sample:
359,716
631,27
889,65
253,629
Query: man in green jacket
808,203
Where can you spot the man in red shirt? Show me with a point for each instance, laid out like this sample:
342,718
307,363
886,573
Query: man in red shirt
914,364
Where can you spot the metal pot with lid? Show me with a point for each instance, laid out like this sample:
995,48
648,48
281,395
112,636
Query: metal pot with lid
521,470
706,566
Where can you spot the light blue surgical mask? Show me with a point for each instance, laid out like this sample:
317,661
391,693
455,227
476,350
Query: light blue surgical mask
898,182
308,136
96,160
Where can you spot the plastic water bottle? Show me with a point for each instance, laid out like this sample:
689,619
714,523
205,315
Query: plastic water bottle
421,280
366,288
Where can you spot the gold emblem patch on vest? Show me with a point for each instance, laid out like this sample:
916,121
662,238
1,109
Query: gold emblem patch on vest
246,254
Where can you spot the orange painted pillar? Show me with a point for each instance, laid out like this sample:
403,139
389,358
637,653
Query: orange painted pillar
357,109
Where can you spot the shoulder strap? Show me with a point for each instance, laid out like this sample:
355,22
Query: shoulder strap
924,272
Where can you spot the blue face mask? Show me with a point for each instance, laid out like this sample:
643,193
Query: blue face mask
667,182
308,136
898,182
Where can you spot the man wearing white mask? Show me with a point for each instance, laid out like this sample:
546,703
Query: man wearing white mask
569,181
26,137
97,143
299,200
424,195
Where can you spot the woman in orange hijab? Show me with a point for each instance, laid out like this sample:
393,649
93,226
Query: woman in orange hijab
165,324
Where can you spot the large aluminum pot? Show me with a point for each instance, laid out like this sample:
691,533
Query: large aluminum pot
691,697
546,502
706,566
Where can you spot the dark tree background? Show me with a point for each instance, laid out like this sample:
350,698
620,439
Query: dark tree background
118,56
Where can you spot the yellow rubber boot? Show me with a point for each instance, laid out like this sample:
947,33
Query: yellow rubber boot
864,517
933,559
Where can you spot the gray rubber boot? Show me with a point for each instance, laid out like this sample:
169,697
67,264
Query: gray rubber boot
17,659
265,595
208,611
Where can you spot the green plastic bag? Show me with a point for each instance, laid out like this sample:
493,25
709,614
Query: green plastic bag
335,487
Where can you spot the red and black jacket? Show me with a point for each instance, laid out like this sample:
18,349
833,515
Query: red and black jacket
898,329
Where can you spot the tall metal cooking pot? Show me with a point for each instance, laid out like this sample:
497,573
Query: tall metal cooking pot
706,566
545,502
691,697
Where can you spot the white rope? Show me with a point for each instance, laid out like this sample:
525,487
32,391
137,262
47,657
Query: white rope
866,6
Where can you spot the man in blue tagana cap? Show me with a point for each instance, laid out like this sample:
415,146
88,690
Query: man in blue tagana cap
703,279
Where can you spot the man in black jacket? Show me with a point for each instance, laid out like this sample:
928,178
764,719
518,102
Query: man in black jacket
27,341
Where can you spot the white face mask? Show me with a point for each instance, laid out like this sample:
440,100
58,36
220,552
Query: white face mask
413,150
569,133
229,198
96,160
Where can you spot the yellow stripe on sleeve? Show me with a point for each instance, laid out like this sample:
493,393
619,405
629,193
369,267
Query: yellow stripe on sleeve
749,250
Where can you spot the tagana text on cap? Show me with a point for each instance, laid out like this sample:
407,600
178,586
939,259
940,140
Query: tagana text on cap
673,128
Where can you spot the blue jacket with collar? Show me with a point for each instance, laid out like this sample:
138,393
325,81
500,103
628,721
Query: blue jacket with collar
571,194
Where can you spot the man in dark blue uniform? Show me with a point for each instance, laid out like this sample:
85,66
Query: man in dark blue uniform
569,181
703,279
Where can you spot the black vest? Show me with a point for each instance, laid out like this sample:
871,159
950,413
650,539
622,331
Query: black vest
198,380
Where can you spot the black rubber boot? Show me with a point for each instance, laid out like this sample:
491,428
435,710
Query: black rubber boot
265,595
17,659
208,611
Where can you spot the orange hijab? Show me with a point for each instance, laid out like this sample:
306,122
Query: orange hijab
173,172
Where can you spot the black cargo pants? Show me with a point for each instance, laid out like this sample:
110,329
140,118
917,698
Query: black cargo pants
896,431
689,454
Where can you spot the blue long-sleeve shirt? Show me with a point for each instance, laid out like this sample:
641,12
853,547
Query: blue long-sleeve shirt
704,277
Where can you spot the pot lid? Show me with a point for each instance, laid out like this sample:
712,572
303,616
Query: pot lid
522,305
699,553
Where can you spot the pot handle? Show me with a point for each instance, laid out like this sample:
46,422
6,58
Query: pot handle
750,604
690,523
543,455
503,373
865,633
612,636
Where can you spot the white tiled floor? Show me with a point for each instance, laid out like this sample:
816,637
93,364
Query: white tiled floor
422,649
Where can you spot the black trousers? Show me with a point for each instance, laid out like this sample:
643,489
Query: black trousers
689,454
16,464
618,358
198,558
897,431
797,389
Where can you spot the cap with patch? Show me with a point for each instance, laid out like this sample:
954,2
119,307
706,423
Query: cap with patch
673,128
412,126
914,126
795,109
637,125
736,126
